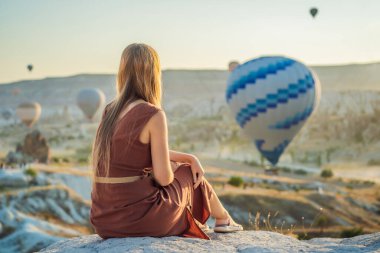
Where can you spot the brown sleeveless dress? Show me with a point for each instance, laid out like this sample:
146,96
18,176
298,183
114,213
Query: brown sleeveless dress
142,207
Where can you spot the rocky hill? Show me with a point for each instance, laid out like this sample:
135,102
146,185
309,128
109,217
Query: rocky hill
203,90
247,241
36,212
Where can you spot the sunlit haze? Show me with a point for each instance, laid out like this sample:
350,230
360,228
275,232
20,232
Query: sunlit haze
63,38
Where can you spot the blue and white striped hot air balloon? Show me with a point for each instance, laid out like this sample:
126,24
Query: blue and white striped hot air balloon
271,99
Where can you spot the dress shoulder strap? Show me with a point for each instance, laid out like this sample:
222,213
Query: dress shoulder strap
137,117
134,123
144,113
147,110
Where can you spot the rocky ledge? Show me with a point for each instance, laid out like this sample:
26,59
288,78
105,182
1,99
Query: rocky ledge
247,241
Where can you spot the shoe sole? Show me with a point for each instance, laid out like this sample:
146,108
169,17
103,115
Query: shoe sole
227,229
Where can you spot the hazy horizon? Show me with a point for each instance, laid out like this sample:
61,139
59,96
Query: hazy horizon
169,69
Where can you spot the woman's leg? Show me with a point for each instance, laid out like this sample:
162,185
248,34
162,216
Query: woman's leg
218,211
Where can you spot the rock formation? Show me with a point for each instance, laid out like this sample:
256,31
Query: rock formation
34,148
246,241
35,217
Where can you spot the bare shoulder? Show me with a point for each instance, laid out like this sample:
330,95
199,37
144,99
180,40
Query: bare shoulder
158,121
159,117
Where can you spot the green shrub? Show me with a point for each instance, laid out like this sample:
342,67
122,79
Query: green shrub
252,163
30,172
300,172
55,159
82,154
368,182
82,160
304,236
322,221
65,160
373,162
351,232
54,139
327,173
285,169
236,181
86,150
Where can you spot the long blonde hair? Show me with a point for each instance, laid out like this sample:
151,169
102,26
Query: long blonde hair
139,77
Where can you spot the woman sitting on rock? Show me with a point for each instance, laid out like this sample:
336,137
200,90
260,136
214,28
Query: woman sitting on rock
141,188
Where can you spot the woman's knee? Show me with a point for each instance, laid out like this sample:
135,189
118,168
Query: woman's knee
205,181
206,184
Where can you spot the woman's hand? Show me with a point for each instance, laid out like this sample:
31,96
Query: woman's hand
197,170
174,165
192,160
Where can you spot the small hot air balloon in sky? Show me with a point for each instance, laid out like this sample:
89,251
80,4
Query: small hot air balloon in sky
6,113
29,67
89,101
313,12
232,65
29,112
271,99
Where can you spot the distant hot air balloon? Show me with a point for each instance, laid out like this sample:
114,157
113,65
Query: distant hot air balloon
89,101
313,12
271,99
29,112
232,65
6,113
29,67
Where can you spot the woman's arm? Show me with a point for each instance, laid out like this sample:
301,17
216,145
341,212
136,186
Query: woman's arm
196,167
181,157
158,129
161,156
177,158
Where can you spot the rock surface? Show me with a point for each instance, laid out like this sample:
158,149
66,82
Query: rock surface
247,241
13,178
33,218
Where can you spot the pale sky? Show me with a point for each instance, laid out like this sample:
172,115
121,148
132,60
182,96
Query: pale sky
67,37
